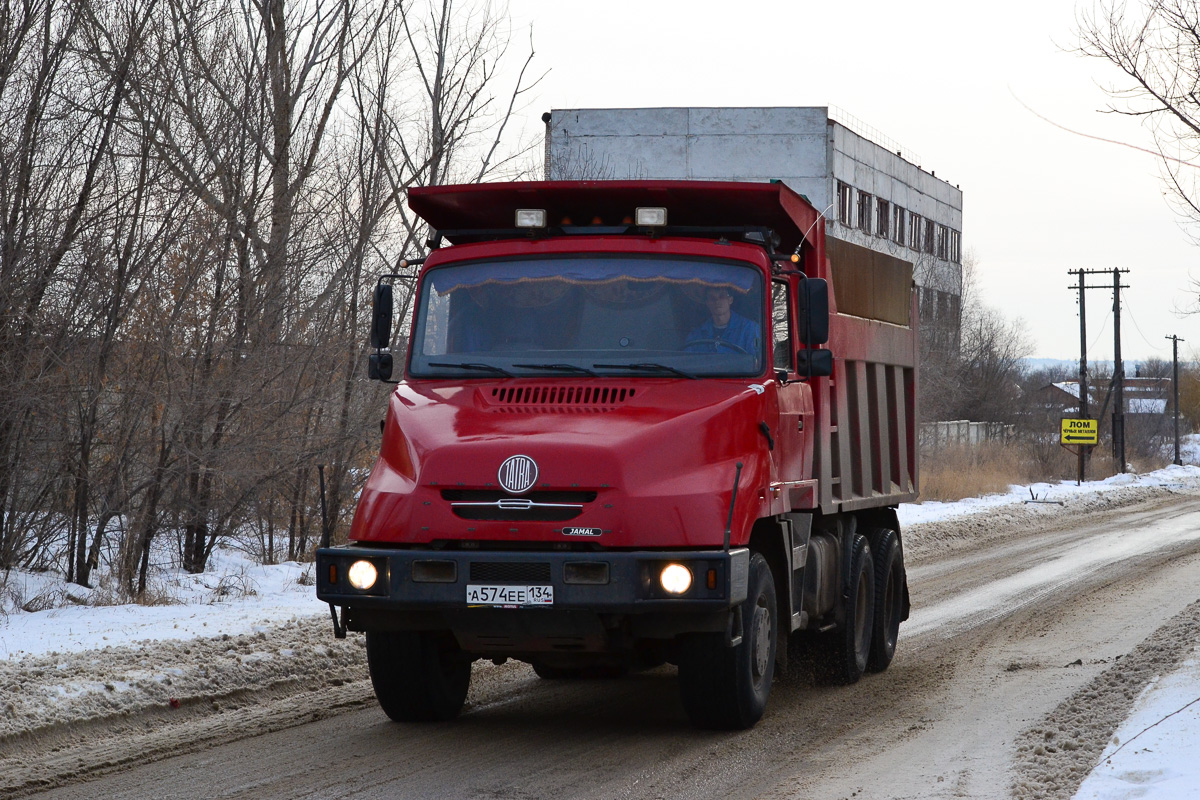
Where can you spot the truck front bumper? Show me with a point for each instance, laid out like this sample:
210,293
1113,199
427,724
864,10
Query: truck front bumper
428,590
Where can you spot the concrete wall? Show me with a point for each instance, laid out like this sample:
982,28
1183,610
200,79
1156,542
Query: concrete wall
801,146
870,168
717,144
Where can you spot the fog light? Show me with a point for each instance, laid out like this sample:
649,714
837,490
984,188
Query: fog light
676,578
363,575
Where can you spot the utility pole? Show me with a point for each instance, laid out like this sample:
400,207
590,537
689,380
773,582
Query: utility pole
1118,375
1118,418
1175,340
1084,450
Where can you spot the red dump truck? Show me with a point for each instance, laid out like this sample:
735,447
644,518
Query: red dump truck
638,422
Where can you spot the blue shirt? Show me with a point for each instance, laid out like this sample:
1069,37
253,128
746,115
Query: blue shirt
740,332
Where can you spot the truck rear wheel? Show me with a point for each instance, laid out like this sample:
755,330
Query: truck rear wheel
419,676
845,651
727,687
551,673
889,597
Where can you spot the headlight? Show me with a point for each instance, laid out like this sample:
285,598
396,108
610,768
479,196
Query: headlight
676,578
363,575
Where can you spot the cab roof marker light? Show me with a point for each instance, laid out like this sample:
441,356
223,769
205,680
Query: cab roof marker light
651,217
531,217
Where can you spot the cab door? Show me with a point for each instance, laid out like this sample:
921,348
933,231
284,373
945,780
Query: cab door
795,396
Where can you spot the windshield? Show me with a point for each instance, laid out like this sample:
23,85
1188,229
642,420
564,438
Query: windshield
603,315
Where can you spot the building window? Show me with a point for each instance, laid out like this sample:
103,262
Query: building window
883,216
864,211
845,193
898,217
914,232
943,242
928,239
956,247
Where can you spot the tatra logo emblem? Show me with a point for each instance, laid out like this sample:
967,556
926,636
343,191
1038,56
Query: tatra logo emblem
518,474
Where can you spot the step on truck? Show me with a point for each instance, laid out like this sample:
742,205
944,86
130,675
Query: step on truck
636,423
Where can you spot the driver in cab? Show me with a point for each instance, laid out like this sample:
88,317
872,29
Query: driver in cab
726,331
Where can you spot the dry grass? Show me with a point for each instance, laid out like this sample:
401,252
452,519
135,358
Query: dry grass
958,471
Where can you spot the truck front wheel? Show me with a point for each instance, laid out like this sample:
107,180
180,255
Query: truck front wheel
727,687
419,676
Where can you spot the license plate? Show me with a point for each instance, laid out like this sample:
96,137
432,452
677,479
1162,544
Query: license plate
510,596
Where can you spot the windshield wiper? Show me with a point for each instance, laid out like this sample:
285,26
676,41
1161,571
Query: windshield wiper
648,367
558,368
480,367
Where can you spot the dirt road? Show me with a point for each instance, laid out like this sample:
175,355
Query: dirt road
1021,655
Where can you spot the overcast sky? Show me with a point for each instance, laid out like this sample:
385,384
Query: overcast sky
941,79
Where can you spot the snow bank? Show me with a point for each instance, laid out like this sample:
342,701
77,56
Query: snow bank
235,596
1091,492
1155,753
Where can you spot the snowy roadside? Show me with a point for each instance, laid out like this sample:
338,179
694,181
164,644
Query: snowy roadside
234,597
1153,754
243,633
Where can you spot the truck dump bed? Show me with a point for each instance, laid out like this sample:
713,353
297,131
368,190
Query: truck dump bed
866,451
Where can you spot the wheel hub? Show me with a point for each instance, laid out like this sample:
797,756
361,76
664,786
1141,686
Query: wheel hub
762,640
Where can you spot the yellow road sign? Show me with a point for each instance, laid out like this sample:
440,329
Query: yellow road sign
1080,431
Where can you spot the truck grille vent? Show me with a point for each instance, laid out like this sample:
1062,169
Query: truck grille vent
510,572
489,504
574,398
493,495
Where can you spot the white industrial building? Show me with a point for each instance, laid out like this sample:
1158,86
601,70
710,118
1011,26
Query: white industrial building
872,191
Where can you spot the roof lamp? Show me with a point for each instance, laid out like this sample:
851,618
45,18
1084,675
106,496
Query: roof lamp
651,217
531,217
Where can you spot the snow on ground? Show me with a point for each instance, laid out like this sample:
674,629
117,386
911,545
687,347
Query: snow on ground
241,627
235,596
1153,754
1052,493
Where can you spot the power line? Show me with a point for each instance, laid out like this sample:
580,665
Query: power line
1103,330
1129,308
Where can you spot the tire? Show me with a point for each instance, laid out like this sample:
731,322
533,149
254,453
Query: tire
418,676
889,597
845,651
726,688
549,673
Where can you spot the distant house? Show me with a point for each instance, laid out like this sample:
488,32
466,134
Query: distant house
1143,396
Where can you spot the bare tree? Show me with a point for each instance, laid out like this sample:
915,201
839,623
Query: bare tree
1155,44
975,374
196,198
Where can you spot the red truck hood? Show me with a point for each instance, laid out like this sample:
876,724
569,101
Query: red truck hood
650,462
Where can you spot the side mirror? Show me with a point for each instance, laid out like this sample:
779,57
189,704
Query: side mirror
814,311
814,363
379,366
381,317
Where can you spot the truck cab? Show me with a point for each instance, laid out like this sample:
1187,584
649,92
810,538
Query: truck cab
619,440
